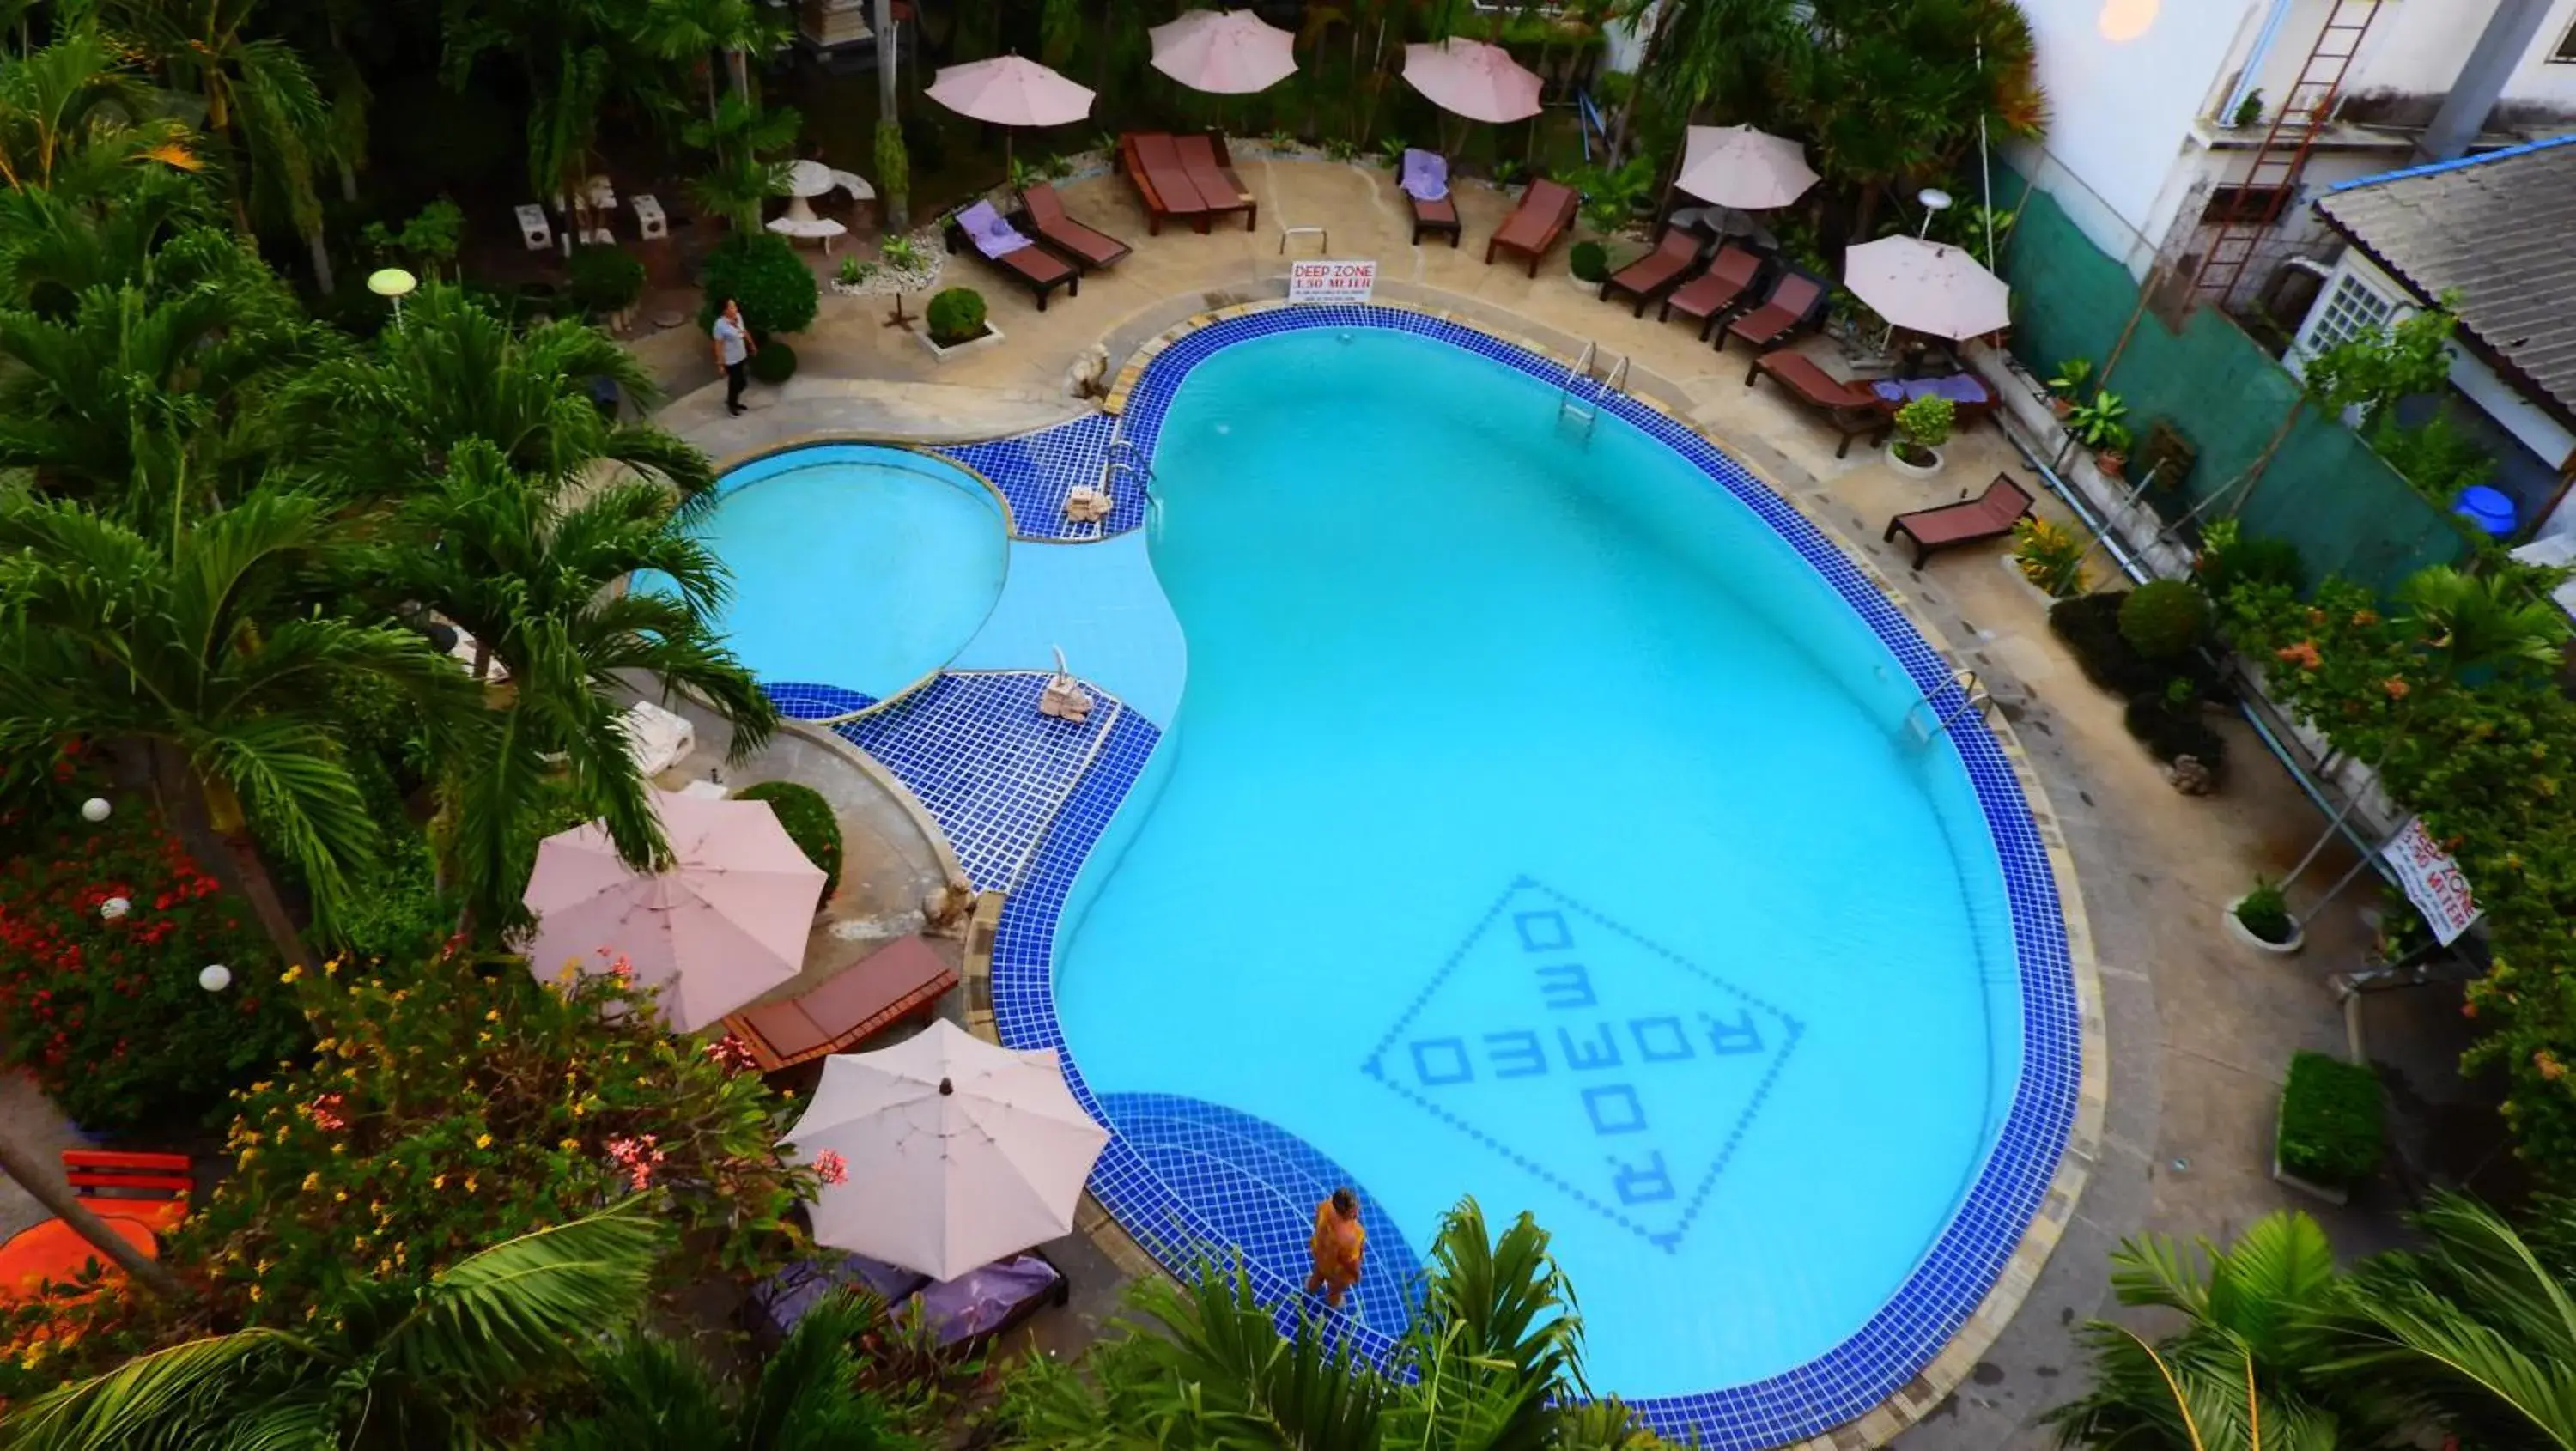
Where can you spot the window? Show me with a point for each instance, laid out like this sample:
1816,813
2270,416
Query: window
2353,309
2565,54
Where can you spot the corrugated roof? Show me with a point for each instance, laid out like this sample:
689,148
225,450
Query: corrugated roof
2499,229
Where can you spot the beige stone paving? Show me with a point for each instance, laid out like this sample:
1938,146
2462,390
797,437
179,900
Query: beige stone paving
2199,1028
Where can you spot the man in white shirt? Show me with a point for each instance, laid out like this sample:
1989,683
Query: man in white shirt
734,348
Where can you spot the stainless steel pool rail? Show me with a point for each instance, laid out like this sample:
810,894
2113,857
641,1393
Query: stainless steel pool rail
1568,406
1927,717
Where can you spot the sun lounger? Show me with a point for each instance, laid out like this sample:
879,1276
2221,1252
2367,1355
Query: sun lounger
1212,176
1545,211
1424,180
1990,515
1970,398
1153,166
1796,301
150,1189
976,1306
1716,292
656,738
1851,408
1672,258
1088,249
903,979
1000,244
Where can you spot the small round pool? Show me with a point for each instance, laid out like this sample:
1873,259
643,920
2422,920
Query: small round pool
855,567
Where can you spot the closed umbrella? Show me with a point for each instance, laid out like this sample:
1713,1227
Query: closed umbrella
1928,287
953,1152
723,924
1224,52
1737,166
1473,79
1010,91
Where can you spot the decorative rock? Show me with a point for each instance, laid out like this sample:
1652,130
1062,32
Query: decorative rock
1065,699
2190,777
1086,504
1085,378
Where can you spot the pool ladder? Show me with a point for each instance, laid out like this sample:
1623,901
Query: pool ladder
1121,459
1568,405
1930,715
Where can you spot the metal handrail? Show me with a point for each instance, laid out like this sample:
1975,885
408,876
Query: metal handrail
1972,697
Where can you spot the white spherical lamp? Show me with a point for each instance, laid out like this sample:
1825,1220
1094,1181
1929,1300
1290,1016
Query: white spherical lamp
96,808
114,907
214,977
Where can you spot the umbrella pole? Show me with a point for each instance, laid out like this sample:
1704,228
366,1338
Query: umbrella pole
1006,153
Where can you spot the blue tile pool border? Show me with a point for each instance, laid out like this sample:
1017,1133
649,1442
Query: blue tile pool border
1965,1262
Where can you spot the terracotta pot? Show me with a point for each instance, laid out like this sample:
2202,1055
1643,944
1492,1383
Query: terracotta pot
2062,406
2112,464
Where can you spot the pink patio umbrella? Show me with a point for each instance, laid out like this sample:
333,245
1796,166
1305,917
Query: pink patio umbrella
1010,91
1225,52
1737,166
952,1152
1928,287
1473,79
724,924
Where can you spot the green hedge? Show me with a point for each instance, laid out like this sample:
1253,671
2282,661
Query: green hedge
774,363
809,822
2333,1125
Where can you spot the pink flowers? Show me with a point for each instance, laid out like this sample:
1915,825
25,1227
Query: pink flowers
731,1052
326,1114
636,1158
831,1168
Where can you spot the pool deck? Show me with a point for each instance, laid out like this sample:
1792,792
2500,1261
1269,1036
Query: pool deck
2199,1029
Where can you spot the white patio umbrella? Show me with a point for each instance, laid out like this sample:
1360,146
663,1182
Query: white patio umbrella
1737,166
1473,79
1928,287
1010,91
956,1152
1224,52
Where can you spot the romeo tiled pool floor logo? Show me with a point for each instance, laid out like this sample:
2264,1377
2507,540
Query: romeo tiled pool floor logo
1607,1065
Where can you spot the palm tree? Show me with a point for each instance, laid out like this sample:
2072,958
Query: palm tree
689,31
650,1394
202,648
398,1369
742,138
1496,1350
73,119
2243,1372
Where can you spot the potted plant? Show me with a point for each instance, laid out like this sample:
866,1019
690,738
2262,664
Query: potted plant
1922,426
2333,1127
2261,920
955,324
2049,556
2097,426
2072,375
1587,265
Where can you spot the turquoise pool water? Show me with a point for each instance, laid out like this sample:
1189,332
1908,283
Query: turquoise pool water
853,566
1537,825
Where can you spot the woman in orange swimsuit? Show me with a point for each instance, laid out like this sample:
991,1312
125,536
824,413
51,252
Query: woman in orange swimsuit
1336,1248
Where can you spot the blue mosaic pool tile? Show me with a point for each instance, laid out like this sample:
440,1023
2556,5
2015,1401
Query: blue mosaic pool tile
806,700
989,768
1970,1253
1036,470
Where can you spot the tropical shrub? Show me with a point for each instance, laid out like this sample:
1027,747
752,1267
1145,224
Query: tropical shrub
1589,261
1926,421
605,279
2163,618
763,273
646,1393
2050,556
956,316
429,240
2096,423
775,362
2072,375
2333,1127
2090,626
2171,730
2228,558
448,1109
2265,912
809,823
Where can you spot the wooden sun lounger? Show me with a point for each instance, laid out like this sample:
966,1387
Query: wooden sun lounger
1990,515
1546,210
1659,269
1795,301
903,979
1088,249
1212,175
1851,408
1716,292
1042,270
1153,166
1434,217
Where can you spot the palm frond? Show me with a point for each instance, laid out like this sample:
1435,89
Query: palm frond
165,1400
507,1312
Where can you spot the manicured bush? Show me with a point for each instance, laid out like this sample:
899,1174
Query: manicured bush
606,279
2265,912
2090,626
1927,420
956,316
2163,618
809,822
2256,562
774,363
2333,1121
1590,262
2171,732
764,274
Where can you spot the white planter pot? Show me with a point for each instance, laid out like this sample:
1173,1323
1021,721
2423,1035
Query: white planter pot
1897,462
992,338
1588,289
2293,1181
2038,596
2236,929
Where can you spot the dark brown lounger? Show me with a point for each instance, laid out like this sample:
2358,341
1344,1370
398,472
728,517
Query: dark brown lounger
1714,293
1990,515
903,979
1089,249
1153,167
1851,408
1795,301
1032,264
1212,175
1642,279
1546,210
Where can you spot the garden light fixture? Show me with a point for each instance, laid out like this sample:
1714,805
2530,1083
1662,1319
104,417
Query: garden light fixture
214,977
96,809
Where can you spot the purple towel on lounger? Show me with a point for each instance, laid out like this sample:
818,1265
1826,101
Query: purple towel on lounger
993,236
982,1298
1958,388
784,1298
1426,175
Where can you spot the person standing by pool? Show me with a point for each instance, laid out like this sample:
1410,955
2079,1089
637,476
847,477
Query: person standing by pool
1336,1248
734,348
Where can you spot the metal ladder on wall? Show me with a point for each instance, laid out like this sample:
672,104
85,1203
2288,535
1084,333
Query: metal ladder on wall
1928,716
1568,405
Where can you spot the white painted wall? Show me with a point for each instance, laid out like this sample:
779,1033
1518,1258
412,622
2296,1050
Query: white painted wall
2125,80
2414,47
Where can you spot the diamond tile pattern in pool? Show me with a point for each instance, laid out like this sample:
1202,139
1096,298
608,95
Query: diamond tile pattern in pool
806,700
1036,470
1967,1258
990,769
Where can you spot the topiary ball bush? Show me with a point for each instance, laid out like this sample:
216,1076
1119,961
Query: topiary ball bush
606,279
2090,626
809,822
762,273
774,363
1590,261
2163,618
956,316
2333,1121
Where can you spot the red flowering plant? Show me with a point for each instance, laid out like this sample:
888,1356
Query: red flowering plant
447,1109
